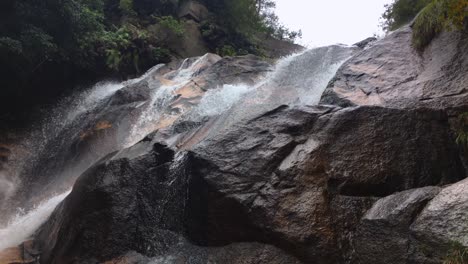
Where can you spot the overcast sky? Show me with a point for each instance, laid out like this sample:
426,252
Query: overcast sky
325,22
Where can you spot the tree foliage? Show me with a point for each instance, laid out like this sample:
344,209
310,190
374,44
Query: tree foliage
241,26
50,44
401,12
432,17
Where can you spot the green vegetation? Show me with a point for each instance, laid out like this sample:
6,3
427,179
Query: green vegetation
462,130
457,254
437,16
242,25
172,24
432,17
401,12
49,45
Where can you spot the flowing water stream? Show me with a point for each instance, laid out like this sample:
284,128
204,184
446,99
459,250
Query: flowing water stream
297,79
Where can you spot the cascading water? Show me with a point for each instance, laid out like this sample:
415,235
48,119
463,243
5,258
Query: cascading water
299,79
111,116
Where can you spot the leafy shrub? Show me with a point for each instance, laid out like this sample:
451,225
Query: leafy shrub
226,50
172,24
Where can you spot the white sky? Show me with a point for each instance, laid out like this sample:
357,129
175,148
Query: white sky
326,22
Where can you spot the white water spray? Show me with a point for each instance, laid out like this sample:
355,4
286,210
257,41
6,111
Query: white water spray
23,226
297,79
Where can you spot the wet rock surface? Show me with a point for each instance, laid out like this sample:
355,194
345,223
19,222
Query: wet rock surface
284,178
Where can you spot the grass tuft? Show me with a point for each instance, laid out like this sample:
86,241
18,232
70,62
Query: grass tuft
428,24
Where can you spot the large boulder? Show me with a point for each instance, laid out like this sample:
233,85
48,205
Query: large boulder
445,219
383,236
392,73
295,178
420,226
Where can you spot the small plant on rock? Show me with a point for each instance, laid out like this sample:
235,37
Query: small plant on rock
457,254
462,130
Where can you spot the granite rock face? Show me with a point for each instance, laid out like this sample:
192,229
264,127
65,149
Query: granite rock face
391,73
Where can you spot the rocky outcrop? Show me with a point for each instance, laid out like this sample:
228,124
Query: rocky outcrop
296,178
392,73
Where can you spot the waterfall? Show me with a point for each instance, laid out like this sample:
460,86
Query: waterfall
85,127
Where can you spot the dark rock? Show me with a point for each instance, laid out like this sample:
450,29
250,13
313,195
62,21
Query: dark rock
238,253
378,151
137,200
131,200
